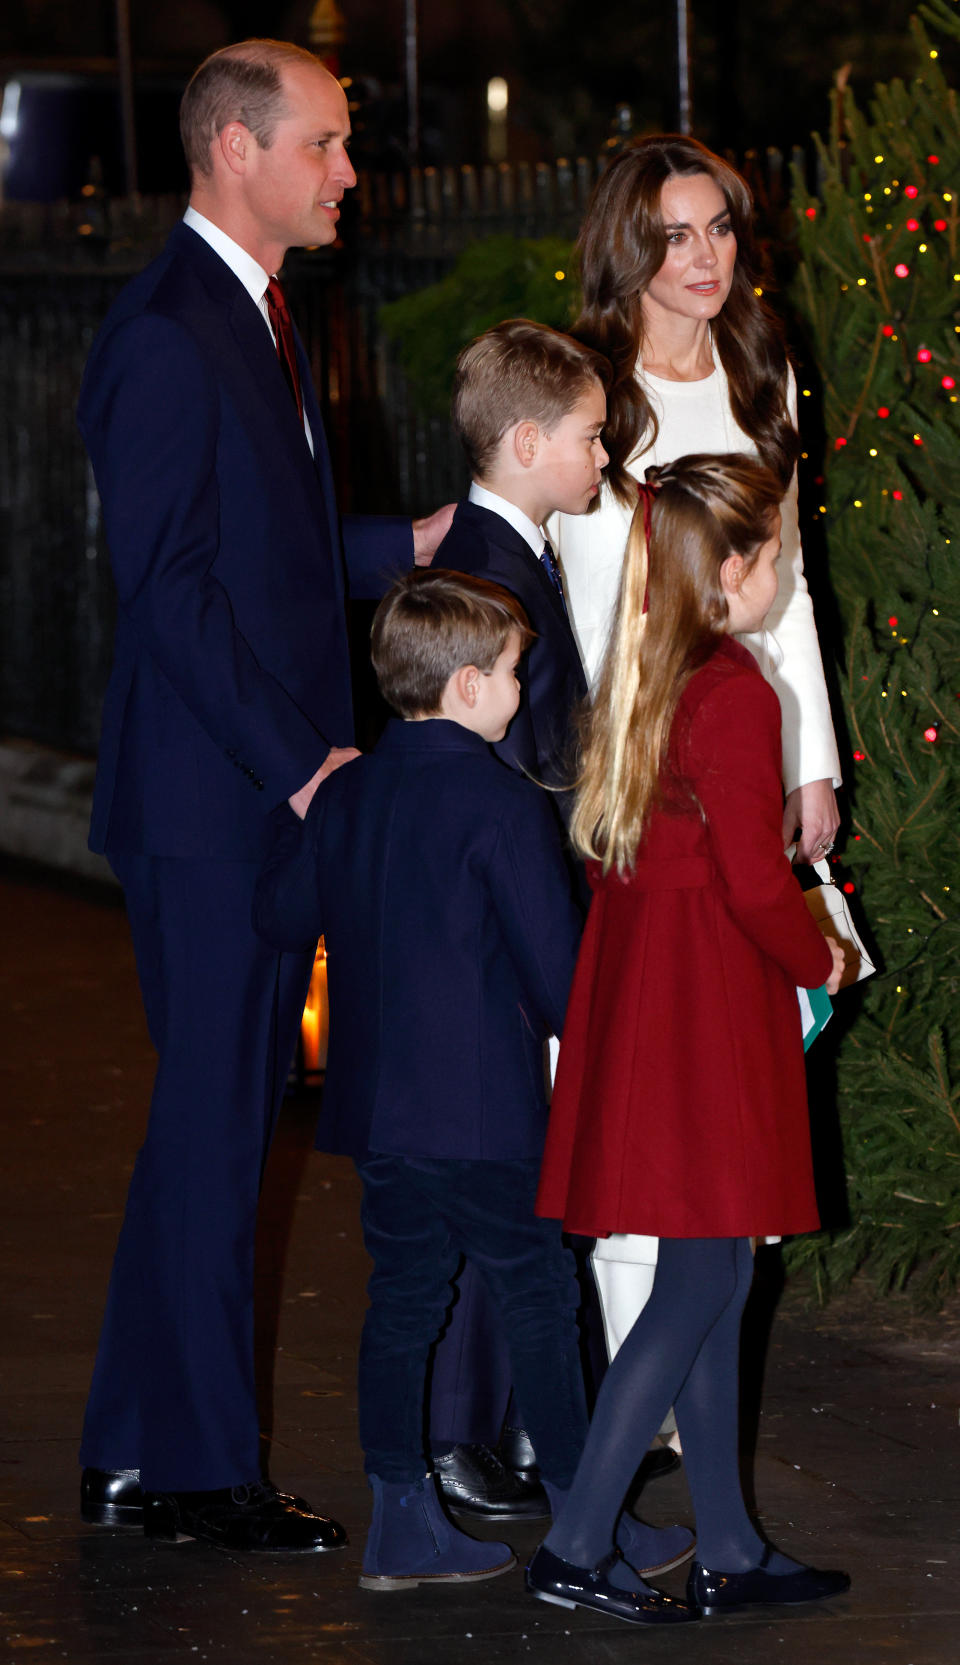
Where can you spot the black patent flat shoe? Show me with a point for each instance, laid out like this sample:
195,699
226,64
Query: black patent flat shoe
552,1579
718,1592
244,1518
111,1497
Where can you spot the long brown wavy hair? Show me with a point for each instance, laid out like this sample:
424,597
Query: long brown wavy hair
671,613
622,245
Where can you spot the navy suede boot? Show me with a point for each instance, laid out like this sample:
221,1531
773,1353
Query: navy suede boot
413,1541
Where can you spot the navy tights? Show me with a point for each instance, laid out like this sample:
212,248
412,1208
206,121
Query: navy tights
682,1351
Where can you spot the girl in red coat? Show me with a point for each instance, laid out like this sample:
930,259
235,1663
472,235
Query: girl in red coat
680,1107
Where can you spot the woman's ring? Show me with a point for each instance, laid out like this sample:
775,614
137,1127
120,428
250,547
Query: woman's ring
826,845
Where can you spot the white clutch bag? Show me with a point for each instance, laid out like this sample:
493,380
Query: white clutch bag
828,906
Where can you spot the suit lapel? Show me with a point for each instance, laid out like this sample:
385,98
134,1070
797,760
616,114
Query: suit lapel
515,547
254,368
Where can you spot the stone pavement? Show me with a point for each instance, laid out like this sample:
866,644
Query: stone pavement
857,1456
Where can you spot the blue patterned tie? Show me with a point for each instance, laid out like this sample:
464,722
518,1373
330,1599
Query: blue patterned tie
552,566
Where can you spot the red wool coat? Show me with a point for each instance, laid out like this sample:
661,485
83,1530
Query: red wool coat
680,1102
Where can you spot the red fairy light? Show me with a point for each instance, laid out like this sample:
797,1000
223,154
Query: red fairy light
859,757
939,225
867,237
893,621
856,838
932,733
900,270
811,213
849,888
911,191
933,160
913,225
887,330
924,355
898,497
947,382
917,440
838,444
883,410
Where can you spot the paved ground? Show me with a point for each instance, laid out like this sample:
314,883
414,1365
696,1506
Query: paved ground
857,1456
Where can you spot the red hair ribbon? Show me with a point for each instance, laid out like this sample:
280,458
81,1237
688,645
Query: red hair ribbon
646,493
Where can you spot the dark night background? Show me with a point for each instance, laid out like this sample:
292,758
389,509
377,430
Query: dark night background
761,73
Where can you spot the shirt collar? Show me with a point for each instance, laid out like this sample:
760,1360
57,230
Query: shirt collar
242,265
508,511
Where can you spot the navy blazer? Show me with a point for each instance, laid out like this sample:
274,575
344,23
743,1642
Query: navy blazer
438,880
231,676
541,740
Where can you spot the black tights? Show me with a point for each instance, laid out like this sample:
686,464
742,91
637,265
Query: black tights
682,1351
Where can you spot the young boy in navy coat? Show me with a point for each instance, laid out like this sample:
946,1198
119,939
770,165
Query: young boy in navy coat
439,882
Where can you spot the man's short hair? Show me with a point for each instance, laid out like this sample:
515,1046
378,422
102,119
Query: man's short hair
430,625
238,83
518,371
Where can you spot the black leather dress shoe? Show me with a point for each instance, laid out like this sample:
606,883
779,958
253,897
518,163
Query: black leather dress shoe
114,1497
240,1518
473,1479
718,1592
551,1579
111,1497
518,1457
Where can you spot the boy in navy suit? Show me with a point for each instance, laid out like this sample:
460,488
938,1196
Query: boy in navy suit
529,406
449,963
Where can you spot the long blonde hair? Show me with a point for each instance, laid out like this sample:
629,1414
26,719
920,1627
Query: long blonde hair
671,612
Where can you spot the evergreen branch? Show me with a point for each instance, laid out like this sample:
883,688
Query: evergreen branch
871,367
945,720
932,905
939,1067
903,759
865,833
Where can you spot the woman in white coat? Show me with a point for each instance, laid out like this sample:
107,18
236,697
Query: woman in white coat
671,296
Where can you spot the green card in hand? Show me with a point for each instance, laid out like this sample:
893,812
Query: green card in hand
816,1010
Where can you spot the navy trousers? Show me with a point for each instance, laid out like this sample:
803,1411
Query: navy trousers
419,1216
173,1386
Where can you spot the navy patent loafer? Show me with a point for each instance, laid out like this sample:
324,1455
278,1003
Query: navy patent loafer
551,1579
111,1497
719,1592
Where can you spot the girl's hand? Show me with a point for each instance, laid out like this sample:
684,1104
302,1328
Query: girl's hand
839,961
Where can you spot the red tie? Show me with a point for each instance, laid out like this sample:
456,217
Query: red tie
282,325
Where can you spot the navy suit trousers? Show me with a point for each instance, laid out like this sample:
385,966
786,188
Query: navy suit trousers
419,1216
173,1390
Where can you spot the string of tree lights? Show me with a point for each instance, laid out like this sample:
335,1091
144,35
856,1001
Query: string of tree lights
879,289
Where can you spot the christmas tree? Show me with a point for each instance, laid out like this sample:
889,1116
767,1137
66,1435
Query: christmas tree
879,290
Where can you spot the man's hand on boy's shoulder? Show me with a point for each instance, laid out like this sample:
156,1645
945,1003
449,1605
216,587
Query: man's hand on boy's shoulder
336,757
429,533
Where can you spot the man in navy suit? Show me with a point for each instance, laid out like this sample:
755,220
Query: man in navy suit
445,977
229,697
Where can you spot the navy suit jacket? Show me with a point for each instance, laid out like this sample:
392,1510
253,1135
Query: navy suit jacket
231,676
541,739
438,880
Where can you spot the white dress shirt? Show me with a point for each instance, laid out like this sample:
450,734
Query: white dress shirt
520,522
